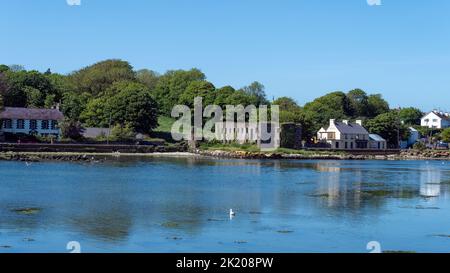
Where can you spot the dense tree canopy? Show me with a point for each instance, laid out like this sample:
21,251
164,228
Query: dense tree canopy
111,92
95,79
257,91
445,135
410,116
388,126
203,89
126,103
172,84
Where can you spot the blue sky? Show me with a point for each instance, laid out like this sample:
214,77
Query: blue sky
297,48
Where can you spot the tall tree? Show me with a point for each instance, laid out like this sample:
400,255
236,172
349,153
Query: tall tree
334,105
389,126
410,116
95,79
257,90
131,103
203,89
171,85
358,103
148,77
445,135
377,105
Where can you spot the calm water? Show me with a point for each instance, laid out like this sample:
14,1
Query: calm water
181,205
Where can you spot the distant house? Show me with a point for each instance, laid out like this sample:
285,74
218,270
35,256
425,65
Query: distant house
349,136
414,136
436,120
31,121
377,142
247,132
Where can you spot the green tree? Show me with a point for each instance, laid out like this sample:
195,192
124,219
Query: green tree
290,111
131,103
389,127
72,129
148,77
410,116
3,68
27,85
95,79
257,91
97,112
359,104
334,105
171,85
203,89
445,135
73,104
240,97
376,105
122,132
35,99
222,95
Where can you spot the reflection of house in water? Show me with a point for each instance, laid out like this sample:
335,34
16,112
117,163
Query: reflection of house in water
329,186
340,187
430,182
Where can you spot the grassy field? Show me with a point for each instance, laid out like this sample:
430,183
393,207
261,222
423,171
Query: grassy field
165,124
253,148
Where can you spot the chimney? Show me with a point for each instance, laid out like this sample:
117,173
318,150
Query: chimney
332,122
359,122
345,121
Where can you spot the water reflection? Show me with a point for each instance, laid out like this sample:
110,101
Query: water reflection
155,198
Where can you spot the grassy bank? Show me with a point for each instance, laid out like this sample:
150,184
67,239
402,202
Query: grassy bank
253,148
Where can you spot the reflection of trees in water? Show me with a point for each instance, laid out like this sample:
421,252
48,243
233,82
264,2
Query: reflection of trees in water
349,189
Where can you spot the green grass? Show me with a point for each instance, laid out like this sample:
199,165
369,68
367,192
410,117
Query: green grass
253,148
165,124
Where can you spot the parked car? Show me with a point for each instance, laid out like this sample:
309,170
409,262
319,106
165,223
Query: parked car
442,146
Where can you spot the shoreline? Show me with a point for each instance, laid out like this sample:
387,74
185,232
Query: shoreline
221,154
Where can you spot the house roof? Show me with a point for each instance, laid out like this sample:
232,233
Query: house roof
31,113
439,115
376,137
350,128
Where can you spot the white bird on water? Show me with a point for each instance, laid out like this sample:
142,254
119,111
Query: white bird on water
232,214
28,164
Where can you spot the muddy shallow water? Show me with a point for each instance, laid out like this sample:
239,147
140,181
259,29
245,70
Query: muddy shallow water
182,205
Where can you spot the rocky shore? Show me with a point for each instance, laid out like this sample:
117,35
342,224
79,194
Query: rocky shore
304,155
403,155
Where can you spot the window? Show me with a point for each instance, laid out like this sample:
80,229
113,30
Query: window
44,125
54,125
337,145
33,124
7,124
346,145
20,124
435,120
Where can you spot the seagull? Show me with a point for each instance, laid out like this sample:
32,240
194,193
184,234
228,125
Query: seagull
232,214
28,163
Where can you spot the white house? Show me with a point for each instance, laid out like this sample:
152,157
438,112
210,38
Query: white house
31,121
246,132
349,136
436,120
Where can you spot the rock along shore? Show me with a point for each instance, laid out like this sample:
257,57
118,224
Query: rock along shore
90,157
403,155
